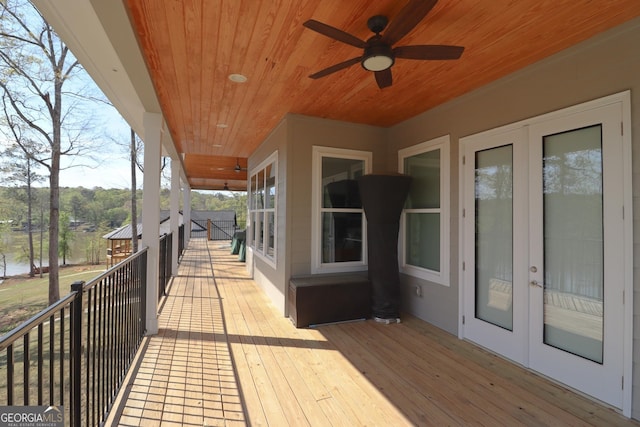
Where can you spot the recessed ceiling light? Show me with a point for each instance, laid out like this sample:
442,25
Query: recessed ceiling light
217,145
237,78
222,125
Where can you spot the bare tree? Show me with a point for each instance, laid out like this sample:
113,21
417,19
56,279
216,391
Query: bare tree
43,93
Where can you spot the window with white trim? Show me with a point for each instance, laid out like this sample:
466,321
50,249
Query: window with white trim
262,208
338,222
424,236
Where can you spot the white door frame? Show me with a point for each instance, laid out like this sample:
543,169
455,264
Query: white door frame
622,99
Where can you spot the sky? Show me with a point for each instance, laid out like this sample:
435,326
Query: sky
111,167
114,173
107,168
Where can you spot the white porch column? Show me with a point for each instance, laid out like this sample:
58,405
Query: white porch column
151,213
186,213
174,204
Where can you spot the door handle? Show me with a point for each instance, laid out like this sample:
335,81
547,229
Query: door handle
536,283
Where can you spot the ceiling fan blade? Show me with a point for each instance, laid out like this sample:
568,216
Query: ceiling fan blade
407,19
428,52
334,33
384,78
336,67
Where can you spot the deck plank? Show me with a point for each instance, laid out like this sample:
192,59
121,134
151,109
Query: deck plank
225,356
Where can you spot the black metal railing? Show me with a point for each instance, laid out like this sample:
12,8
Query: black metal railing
221,230
76,353
180,241
165,260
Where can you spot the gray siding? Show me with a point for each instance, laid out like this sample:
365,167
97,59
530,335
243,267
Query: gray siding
607,64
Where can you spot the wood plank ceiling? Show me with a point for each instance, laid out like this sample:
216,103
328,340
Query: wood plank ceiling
191,48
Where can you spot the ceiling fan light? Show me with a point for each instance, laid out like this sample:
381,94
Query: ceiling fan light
377,58
377,63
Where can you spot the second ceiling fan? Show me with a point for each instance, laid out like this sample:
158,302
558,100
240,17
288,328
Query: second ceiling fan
379,54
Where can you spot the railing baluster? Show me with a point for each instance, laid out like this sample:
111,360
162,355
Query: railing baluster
40,362
122,290
105,343
62,357
127,317
143,274
101,348
87,359
76,355
26,363
52,380
94,344
118,334
109,336
10,372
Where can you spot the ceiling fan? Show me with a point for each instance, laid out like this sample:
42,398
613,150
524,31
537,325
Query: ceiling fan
237,168
379,55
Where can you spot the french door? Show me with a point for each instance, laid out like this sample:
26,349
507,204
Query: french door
543,252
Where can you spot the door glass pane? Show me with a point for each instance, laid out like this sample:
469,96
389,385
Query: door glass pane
423,240
573,242
494,236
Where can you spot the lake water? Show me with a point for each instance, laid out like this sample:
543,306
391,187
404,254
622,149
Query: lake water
15,242
14,268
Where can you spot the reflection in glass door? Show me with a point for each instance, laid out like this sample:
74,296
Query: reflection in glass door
494,236
573,242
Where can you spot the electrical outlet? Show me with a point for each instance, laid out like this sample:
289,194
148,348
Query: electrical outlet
417,290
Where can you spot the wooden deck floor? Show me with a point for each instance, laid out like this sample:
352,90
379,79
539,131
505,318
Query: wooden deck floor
224,356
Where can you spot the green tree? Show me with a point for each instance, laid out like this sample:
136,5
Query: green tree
77,207
66,237
4,228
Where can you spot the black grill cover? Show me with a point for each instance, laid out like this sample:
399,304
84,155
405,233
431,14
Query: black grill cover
383,198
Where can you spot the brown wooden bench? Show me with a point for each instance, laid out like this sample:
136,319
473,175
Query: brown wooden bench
328,298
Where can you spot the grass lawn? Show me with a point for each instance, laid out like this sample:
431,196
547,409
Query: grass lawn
21,297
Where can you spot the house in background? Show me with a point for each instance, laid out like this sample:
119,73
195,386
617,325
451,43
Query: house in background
518,232
119,246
